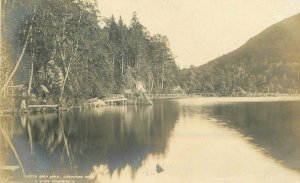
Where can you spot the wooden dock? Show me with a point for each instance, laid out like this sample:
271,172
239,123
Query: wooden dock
9,168
44,107
120,99
115,101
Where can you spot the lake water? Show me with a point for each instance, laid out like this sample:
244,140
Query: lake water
182,140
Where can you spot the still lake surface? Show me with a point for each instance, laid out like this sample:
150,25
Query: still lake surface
192,140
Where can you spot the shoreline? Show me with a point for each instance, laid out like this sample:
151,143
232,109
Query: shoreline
253,96
205,99
213,100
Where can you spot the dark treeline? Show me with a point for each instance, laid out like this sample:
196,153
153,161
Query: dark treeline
74,53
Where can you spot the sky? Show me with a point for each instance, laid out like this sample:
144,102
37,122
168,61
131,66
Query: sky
202,30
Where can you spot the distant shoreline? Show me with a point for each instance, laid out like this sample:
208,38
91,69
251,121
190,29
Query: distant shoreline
215,100
215,95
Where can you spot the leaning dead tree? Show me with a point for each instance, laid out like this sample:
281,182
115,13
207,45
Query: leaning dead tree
72,58
20,57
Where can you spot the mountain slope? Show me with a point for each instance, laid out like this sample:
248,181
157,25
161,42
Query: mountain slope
268,62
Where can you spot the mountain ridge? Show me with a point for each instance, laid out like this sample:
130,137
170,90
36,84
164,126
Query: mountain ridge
272,57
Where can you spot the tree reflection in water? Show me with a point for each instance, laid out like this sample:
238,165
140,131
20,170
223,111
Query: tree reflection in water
73,142
272,126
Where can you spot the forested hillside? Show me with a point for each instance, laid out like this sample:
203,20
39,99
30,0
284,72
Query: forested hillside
66,48
63,50
268,62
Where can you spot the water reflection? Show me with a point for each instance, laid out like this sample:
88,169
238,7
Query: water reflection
207,142
7,126
75,141
272,126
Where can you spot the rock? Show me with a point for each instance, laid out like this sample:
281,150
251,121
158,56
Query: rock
159,169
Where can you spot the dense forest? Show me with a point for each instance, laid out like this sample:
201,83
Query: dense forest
63,50
267,63
64,47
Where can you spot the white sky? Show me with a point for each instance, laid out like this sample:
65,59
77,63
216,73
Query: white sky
201,30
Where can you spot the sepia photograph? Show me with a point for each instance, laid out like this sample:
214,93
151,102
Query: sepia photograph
146,91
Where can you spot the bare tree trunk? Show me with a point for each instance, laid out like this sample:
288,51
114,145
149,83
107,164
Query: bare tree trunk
62,51
63,59
30,79
152,84
20,57
149,84
72,58
67,73
122,60
18,63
